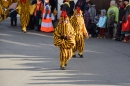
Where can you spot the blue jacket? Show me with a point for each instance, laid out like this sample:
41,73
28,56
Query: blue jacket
102,22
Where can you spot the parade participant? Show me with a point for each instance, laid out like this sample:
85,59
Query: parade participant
46,25
5,5
24,11
2,14
64,38
78,24
65,7
126,22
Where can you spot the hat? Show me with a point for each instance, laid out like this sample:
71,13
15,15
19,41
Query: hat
126,0
103,11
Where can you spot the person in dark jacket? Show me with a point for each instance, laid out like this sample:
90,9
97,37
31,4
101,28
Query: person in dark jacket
53,4
110,23
119,36
72,5
13,14
32,21
81,4
65,7
86,13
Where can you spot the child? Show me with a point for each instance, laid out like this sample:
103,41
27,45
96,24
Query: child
110,23
102,23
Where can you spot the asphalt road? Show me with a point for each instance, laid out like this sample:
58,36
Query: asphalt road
31,59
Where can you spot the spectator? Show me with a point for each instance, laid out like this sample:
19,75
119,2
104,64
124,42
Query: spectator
32,17
102,23
53,4
86,13
110,23
38,13
92,11
80,3
72,5
119,36
126,22
65,6
46,25
113,7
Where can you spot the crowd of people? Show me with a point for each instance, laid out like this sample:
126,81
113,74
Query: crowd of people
112,23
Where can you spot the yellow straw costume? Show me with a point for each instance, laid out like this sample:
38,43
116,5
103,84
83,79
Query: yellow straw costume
24,11
64,38
77,22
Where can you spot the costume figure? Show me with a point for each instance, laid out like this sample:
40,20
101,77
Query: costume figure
4,4
64,38
2,14
77,22
24,11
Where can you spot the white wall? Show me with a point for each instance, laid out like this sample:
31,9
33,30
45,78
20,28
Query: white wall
61,2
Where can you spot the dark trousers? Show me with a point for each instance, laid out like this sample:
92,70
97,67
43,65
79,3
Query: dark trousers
38,17
119,36
31,22
13,17
110,29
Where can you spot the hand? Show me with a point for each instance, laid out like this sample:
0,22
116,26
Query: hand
120,22
62,37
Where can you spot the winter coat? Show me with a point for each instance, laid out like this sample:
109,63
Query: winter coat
86,7
72,4
102,22
121,10
116,11
81,4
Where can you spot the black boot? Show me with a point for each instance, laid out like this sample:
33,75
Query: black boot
74,56
81,56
